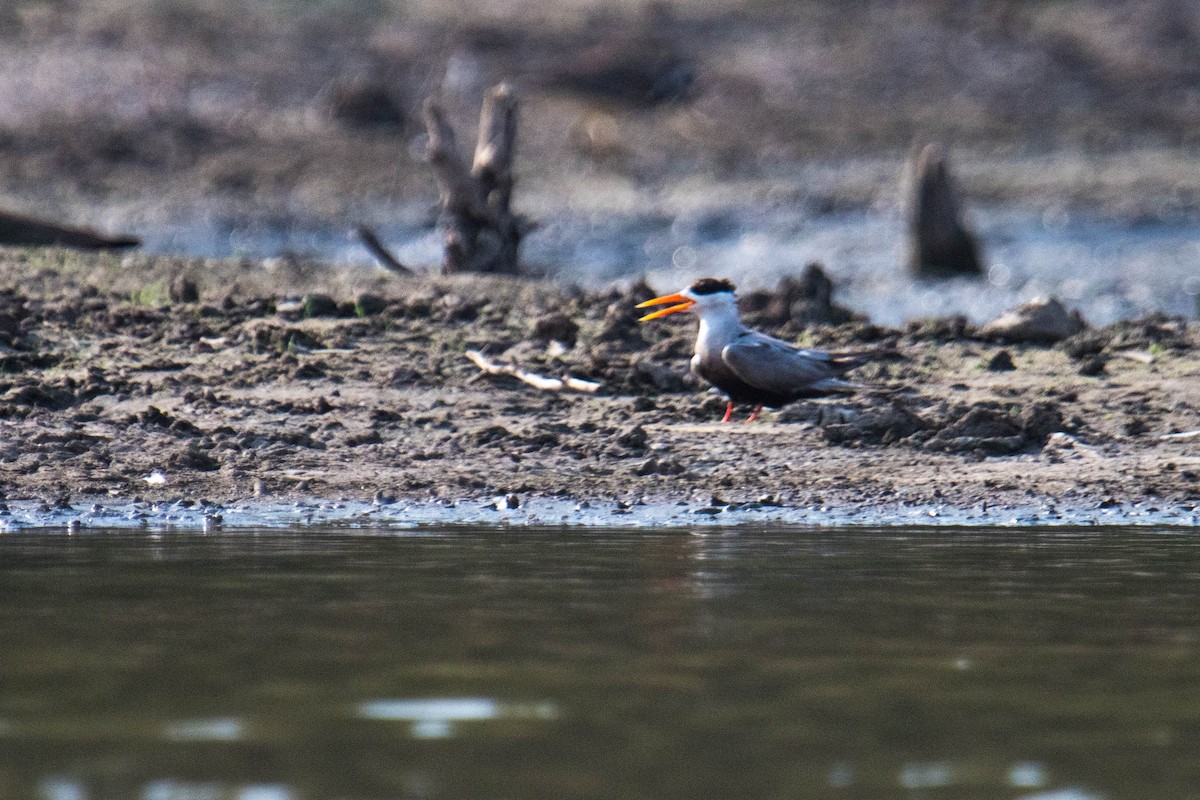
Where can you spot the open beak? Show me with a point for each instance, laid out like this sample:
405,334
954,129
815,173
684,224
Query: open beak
683,304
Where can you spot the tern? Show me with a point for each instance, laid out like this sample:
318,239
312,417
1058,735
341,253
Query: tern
748,366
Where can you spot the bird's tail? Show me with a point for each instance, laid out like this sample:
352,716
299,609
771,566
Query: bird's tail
846,360
832,385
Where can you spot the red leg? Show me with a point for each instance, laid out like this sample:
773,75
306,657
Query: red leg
754,416
728,412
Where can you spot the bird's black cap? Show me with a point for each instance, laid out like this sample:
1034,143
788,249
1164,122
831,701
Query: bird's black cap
712,286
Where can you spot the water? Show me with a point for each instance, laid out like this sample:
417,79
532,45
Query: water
536,511
1110,269
484,663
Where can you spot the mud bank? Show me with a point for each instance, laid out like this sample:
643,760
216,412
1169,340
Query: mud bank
194,385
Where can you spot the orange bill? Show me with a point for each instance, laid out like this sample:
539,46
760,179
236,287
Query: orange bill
683,304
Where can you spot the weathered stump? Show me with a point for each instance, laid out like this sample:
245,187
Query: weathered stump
939,243
482,234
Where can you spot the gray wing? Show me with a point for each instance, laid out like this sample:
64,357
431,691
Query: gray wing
775,366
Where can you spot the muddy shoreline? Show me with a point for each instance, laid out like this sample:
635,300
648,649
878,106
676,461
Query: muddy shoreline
180,383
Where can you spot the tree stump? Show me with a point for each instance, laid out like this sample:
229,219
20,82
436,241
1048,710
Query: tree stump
939,243
482,234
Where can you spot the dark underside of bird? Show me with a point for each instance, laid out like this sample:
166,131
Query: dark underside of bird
748,366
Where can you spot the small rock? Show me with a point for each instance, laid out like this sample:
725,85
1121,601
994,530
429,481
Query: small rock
807,300
647,467
1040,321
654,466
368,305
183,290
489,434
1093,366
289,307
1001,362
1135,426
320,305
556,327
620,325
194,458
634,438
1061,447
9,324
1040,419
363,103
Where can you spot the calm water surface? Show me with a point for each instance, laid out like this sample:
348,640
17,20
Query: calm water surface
570,664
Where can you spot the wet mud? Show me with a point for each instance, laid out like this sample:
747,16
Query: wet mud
183,384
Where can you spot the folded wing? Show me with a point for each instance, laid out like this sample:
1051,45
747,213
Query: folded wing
777,367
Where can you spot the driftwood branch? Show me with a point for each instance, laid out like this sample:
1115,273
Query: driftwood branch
533,379
939,243
1185,436
379,252
18,229
481,232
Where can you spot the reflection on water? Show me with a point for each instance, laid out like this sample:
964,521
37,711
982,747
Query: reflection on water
757,663
436,717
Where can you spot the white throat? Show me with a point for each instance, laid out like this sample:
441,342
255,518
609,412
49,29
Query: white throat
719,325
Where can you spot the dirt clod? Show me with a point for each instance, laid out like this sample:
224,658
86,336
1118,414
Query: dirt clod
183,290
1041,321
555,327
1001,362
